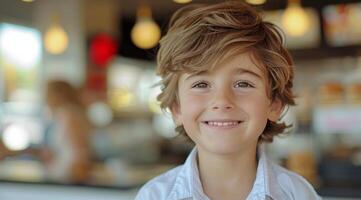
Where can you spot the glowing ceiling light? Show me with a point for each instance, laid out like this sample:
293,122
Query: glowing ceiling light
56,39
28,1
146,33
256,2
16,137
295,19
182,1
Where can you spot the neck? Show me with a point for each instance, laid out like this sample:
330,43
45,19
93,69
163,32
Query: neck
227,176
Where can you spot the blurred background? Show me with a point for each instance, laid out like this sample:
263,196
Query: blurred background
78,109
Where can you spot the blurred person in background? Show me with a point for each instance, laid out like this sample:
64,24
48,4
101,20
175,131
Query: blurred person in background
69,155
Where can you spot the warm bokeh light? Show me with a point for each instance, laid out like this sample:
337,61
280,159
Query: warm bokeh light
100,114
256,2
182,1
28,1
145,33
121,98
295,20
56,39
16,137
125,98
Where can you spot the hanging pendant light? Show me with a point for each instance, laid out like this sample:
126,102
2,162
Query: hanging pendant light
55,39
256,2
295,19
182,1
146,33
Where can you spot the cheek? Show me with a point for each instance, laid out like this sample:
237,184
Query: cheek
256,106
191,105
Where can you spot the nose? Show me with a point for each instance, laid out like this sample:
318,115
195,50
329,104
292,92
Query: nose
222,101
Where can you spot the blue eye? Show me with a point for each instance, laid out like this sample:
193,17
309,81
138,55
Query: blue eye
200,85
243,84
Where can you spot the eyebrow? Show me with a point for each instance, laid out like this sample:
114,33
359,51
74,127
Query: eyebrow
245,71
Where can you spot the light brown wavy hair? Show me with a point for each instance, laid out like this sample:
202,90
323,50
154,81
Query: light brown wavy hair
200,37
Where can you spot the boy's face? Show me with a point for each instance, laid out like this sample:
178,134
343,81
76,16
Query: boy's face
225,111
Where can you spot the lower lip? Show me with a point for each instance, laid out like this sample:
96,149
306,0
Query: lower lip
221,127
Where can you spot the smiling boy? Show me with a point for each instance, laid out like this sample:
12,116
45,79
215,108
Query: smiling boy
226,79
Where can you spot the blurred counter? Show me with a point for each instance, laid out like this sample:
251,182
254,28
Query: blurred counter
112,173
340,193
42,191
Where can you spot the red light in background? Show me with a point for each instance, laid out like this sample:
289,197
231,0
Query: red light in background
102,49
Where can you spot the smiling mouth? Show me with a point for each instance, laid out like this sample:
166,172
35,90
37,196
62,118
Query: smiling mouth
222,123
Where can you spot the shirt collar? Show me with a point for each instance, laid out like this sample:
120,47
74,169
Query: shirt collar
188,184
272,188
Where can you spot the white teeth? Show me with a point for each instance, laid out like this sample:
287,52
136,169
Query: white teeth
223,124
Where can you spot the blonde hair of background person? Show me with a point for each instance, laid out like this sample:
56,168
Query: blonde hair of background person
226,78
71,160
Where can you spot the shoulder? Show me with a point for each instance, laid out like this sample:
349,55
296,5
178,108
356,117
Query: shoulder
293,185
159,188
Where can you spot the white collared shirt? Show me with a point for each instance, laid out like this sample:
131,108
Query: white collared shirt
272,183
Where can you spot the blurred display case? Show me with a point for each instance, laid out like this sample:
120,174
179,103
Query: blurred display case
341,24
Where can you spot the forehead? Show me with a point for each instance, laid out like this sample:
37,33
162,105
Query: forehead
243,63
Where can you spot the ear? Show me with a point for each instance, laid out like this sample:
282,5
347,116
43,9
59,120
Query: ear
176,114
276,109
